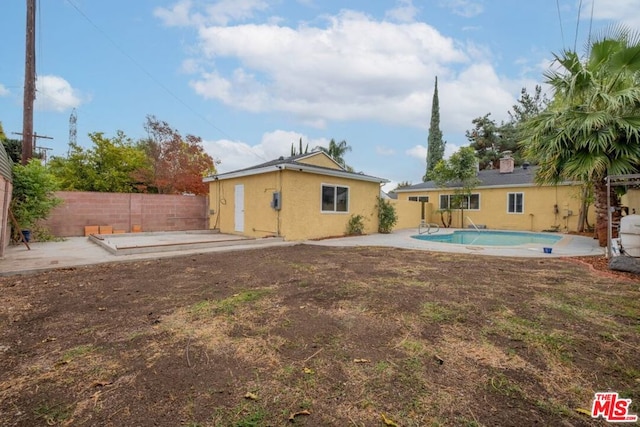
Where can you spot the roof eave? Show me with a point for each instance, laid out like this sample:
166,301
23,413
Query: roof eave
296,167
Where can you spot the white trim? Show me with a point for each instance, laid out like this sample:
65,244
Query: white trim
300,168
449,195
335,201
515,203
483,187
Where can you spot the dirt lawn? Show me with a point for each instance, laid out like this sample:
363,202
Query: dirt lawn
317,336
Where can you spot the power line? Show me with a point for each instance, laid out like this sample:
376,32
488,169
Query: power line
144,70
575,40
593,2
560,19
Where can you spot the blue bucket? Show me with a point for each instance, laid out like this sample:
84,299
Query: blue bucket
547,250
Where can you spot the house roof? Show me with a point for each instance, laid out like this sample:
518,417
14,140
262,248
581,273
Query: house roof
489,178
295,163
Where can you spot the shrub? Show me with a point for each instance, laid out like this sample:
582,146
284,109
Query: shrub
355,225
33,194
387,217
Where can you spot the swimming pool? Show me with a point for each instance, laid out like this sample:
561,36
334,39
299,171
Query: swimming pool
490,238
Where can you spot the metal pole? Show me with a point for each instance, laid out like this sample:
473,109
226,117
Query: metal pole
609,217
29,84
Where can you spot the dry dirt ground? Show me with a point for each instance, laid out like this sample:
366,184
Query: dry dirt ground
317,336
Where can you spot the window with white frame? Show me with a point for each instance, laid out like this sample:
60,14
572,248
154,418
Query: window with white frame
451,201
335,198
419,198
515,202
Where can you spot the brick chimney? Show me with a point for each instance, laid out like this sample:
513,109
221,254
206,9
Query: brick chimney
506,162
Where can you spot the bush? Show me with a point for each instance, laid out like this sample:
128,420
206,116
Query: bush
355,226
33,194
387,217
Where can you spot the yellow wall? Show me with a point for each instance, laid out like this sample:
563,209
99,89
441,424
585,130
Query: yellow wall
539,211
632,200
410,213
260,220
320,159
300,217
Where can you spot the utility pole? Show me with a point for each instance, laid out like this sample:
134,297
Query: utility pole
29,84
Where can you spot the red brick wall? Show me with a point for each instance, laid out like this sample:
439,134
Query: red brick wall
153,212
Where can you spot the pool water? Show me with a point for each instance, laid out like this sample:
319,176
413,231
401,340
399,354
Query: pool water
490,238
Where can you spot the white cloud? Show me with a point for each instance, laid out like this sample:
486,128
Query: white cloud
328,74
53,93
177,16
3,90
236,155
625,11
465,8
384,151
225,11
418,152
222,12
404,12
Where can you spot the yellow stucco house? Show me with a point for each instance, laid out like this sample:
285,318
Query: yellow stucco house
505,199
308,196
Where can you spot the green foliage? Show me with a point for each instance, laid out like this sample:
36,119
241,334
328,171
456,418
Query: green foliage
435,143
460,173
13,147
295,153
33,193
387,216
490,139
111,165
355,226
337,150
591,128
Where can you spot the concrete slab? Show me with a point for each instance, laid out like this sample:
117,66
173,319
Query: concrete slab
568,246
79,251
139,243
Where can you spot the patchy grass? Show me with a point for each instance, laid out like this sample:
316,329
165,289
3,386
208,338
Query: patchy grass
317,336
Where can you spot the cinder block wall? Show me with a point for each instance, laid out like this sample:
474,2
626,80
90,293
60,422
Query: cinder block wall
152,212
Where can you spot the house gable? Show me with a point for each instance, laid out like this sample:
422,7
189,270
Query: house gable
320,158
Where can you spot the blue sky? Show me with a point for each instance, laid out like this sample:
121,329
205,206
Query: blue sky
250,77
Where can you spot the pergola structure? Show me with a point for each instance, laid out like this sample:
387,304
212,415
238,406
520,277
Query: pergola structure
616,181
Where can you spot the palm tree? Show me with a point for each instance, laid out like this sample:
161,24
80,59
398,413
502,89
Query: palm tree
337,151
591,129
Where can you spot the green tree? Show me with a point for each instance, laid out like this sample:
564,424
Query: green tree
528,106
111,165
295,153
485,140
460,173
337,150
435,144
591,128
33,195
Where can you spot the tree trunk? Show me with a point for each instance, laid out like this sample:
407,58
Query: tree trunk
584,208
600,190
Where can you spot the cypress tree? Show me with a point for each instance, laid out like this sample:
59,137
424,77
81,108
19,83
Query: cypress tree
435,144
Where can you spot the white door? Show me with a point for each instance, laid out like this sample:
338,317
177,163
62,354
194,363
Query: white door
239,208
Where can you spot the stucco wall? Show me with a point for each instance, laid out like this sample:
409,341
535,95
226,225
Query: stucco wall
153,212
320,159
409,213
539,208
300,217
